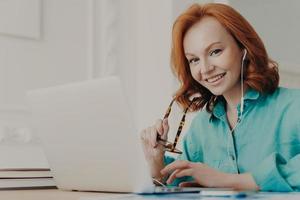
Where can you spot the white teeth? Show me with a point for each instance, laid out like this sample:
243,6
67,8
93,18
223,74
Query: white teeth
215,78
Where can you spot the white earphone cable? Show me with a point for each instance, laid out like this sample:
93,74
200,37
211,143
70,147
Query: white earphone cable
242,84
241,108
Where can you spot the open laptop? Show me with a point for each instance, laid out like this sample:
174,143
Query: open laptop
89,138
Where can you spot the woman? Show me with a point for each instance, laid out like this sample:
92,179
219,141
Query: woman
246,134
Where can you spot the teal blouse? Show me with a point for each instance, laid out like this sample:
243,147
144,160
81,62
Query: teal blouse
266,142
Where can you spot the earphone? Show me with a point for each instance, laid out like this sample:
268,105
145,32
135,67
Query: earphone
241,108
242,83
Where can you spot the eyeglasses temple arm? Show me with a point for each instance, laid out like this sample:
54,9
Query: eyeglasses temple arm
182,122
179,131
169,110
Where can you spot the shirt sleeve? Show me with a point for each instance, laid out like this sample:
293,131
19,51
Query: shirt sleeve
277,174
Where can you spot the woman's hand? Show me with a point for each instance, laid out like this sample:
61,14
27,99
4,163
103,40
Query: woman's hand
153,151
206,176
203,175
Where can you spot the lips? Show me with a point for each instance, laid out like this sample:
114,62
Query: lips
215,78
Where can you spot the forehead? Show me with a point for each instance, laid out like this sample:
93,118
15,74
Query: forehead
205,32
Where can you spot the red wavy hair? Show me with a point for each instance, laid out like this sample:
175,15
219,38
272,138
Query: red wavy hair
260,73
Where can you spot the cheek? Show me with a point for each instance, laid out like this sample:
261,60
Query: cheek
196,75
236,68
233,63
227,61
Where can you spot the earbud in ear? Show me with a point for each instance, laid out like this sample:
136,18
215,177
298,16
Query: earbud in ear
245,54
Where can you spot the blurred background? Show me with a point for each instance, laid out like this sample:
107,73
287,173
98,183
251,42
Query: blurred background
51,42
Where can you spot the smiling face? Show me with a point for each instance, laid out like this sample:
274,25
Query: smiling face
214,56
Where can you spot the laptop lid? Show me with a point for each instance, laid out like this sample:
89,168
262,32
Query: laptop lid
89,138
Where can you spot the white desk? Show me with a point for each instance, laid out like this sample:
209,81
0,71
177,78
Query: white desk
51,194
54,194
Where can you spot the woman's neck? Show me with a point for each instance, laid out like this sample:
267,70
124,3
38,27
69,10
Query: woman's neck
233,97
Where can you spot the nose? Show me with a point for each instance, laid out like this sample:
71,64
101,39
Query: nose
205,67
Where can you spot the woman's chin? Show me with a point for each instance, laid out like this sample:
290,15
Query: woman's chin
217,91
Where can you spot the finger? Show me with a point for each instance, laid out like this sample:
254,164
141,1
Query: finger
178,164
172,176
189,184
159,127
147,136
184,172
153,137
165,125
179,173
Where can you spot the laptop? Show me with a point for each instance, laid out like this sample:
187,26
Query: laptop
89,138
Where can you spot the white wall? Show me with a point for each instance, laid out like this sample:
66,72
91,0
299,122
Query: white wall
277,22
75,40
154,77
59,55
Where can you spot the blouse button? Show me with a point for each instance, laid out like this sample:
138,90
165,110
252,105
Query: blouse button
232,157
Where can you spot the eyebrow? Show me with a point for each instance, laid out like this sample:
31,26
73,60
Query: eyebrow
209,46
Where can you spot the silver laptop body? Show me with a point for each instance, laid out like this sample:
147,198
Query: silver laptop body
88,135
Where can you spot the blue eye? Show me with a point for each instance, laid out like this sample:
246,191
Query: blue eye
193,61
215,52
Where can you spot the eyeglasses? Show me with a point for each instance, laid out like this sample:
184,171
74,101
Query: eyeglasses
171,147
